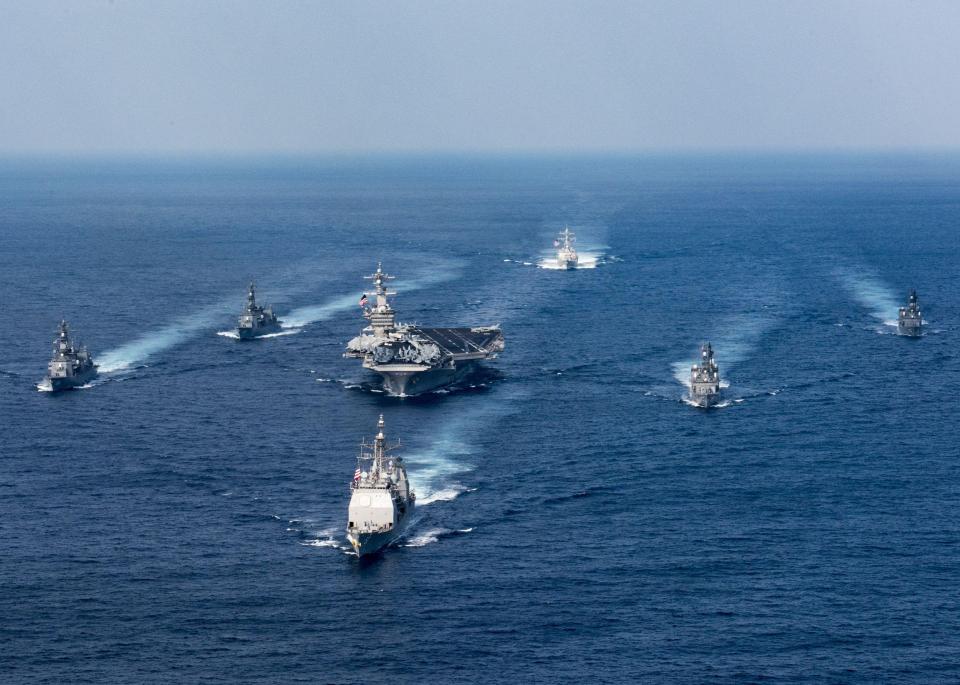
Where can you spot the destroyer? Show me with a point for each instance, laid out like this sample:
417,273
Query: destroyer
382,501
910,319
705,379
566,254
71,366
256,321
414,360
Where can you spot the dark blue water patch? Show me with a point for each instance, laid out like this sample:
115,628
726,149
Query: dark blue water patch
183,518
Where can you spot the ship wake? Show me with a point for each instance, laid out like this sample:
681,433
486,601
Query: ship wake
136,352
586,259
874,295
735,343
304,316
434,535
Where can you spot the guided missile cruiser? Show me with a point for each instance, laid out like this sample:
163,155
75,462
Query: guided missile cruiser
256,321
566,254
411,359
382,500
910,319
705,379
71,366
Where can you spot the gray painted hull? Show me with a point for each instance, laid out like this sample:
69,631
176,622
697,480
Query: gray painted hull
71,382
909,329
254,333
371,543
705,401
409,384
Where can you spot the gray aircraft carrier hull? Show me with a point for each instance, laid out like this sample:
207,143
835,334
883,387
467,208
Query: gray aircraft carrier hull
411,383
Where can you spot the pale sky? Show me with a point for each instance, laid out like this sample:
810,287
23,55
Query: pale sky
165,76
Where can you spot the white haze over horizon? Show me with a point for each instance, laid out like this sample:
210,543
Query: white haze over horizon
216,77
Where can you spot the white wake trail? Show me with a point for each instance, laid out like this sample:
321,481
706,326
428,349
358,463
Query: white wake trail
877,297
150,343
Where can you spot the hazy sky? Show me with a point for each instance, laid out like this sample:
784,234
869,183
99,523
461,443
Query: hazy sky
288,76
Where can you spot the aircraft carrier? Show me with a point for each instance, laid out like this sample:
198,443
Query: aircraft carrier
412,359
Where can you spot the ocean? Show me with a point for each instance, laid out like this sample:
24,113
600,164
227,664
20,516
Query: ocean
182,518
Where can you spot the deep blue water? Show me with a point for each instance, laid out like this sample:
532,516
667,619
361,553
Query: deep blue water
181,520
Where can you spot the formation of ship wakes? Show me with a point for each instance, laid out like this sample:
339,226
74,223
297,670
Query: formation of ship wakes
878,298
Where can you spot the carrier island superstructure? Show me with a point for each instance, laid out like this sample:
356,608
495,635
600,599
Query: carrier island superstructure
910,318
413,359
705,379
381,500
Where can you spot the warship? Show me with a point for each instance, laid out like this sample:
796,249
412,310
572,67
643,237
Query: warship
412,359
705,379
381,500
910,319
71,366
566,254
255,320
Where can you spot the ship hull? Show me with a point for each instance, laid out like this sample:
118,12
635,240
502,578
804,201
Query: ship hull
366,544
910,329
412,383
705,401
254,333
71,382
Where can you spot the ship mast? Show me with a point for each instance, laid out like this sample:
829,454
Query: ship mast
381,315
62,346
379,448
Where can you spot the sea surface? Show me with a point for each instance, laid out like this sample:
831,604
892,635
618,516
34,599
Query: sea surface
182,519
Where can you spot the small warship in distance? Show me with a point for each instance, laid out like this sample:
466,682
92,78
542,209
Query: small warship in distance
381,502
414,360
71,366
910,319
705,379
566,254
255,320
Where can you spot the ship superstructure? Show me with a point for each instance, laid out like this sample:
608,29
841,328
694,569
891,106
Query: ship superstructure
71,365
381,500
705,379
255,320
413,359
910,318
566,254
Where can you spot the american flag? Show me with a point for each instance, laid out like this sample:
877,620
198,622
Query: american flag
356,474
363,300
